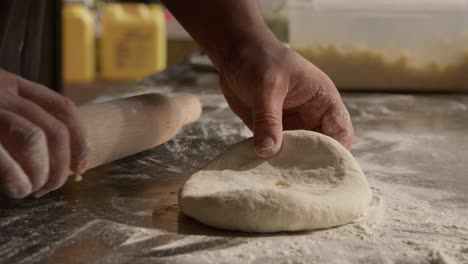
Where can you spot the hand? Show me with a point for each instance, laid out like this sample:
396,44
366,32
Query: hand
41,138
271,88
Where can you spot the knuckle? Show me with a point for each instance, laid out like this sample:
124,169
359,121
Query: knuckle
59,130
266,119
33,136
321,96
66,106
269,79
325,81
10,84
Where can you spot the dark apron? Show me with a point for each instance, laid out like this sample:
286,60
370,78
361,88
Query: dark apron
30,40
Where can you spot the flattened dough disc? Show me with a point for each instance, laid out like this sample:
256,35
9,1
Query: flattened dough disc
313,182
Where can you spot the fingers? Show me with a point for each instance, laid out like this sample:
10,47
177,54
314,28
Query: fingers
264,118
267,131
14,183
267,117
307,116
237,106
62,109
41,138
325,112
336,123
57,138
24,161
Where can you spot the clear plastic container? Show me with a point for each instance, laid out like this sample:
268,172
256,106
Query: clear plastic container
384,44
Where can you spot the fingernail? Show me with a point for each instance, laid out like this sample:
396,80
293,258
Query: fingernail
265,148
40,193
82,164
19,190
266,143
80,170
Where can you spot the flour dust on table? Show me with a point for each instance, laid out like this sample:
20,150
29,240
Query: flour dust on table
312,183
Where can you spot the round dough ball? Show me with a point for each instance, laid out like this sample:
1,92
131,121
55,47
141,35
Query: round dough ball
313,182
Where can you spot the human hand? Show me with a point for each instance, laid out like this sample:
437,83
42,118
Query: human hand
41,138
271,88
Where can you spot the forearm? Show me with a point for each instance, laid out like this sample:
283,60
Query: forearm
221,27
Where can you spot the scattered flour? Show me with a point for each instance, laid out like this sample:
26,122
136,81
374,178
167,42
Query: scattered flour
399,228
406,223
140,235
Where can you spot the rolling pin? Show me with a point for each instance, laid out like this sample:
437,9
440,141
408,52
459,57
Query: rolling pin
123,127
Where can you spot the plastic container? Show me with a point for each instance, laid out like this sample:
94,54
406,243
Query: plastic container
133,41
78,44
384,44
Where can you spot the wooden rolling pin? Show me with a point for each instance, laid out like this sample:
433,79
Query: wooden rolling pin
126,126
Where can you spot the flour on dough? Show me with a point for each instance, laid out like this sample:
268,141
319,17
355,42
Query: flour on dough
313,182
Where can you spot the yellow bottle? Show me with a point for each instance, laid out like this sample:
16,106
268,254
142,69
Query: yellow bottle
78,45
133,42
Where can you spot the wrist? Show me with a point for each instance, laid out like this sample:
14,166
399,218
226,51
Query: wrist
243,45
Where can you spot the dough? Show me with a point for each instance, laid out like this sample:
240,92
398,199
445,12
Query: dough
313,182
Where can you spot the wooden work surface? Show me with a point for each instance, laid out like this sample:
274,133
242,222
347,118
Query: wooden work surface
413,149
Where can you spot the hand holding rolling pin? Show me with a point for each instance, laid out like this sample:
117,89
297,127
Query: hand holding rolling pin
41,138
269,86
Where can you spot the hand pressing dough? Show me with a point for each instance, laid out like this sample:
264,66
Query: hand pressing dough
313,182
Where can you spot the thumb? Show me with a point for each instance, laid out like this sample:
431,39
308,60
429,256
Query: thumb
268,125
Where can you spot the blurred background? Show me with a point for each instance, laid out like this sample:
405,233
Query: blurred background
385,45
109,43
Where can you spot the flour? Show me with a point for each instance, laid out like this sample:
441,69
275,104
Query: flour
419,212
132,206
185,241
140,235
399,227
407,222
438,257
9,220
